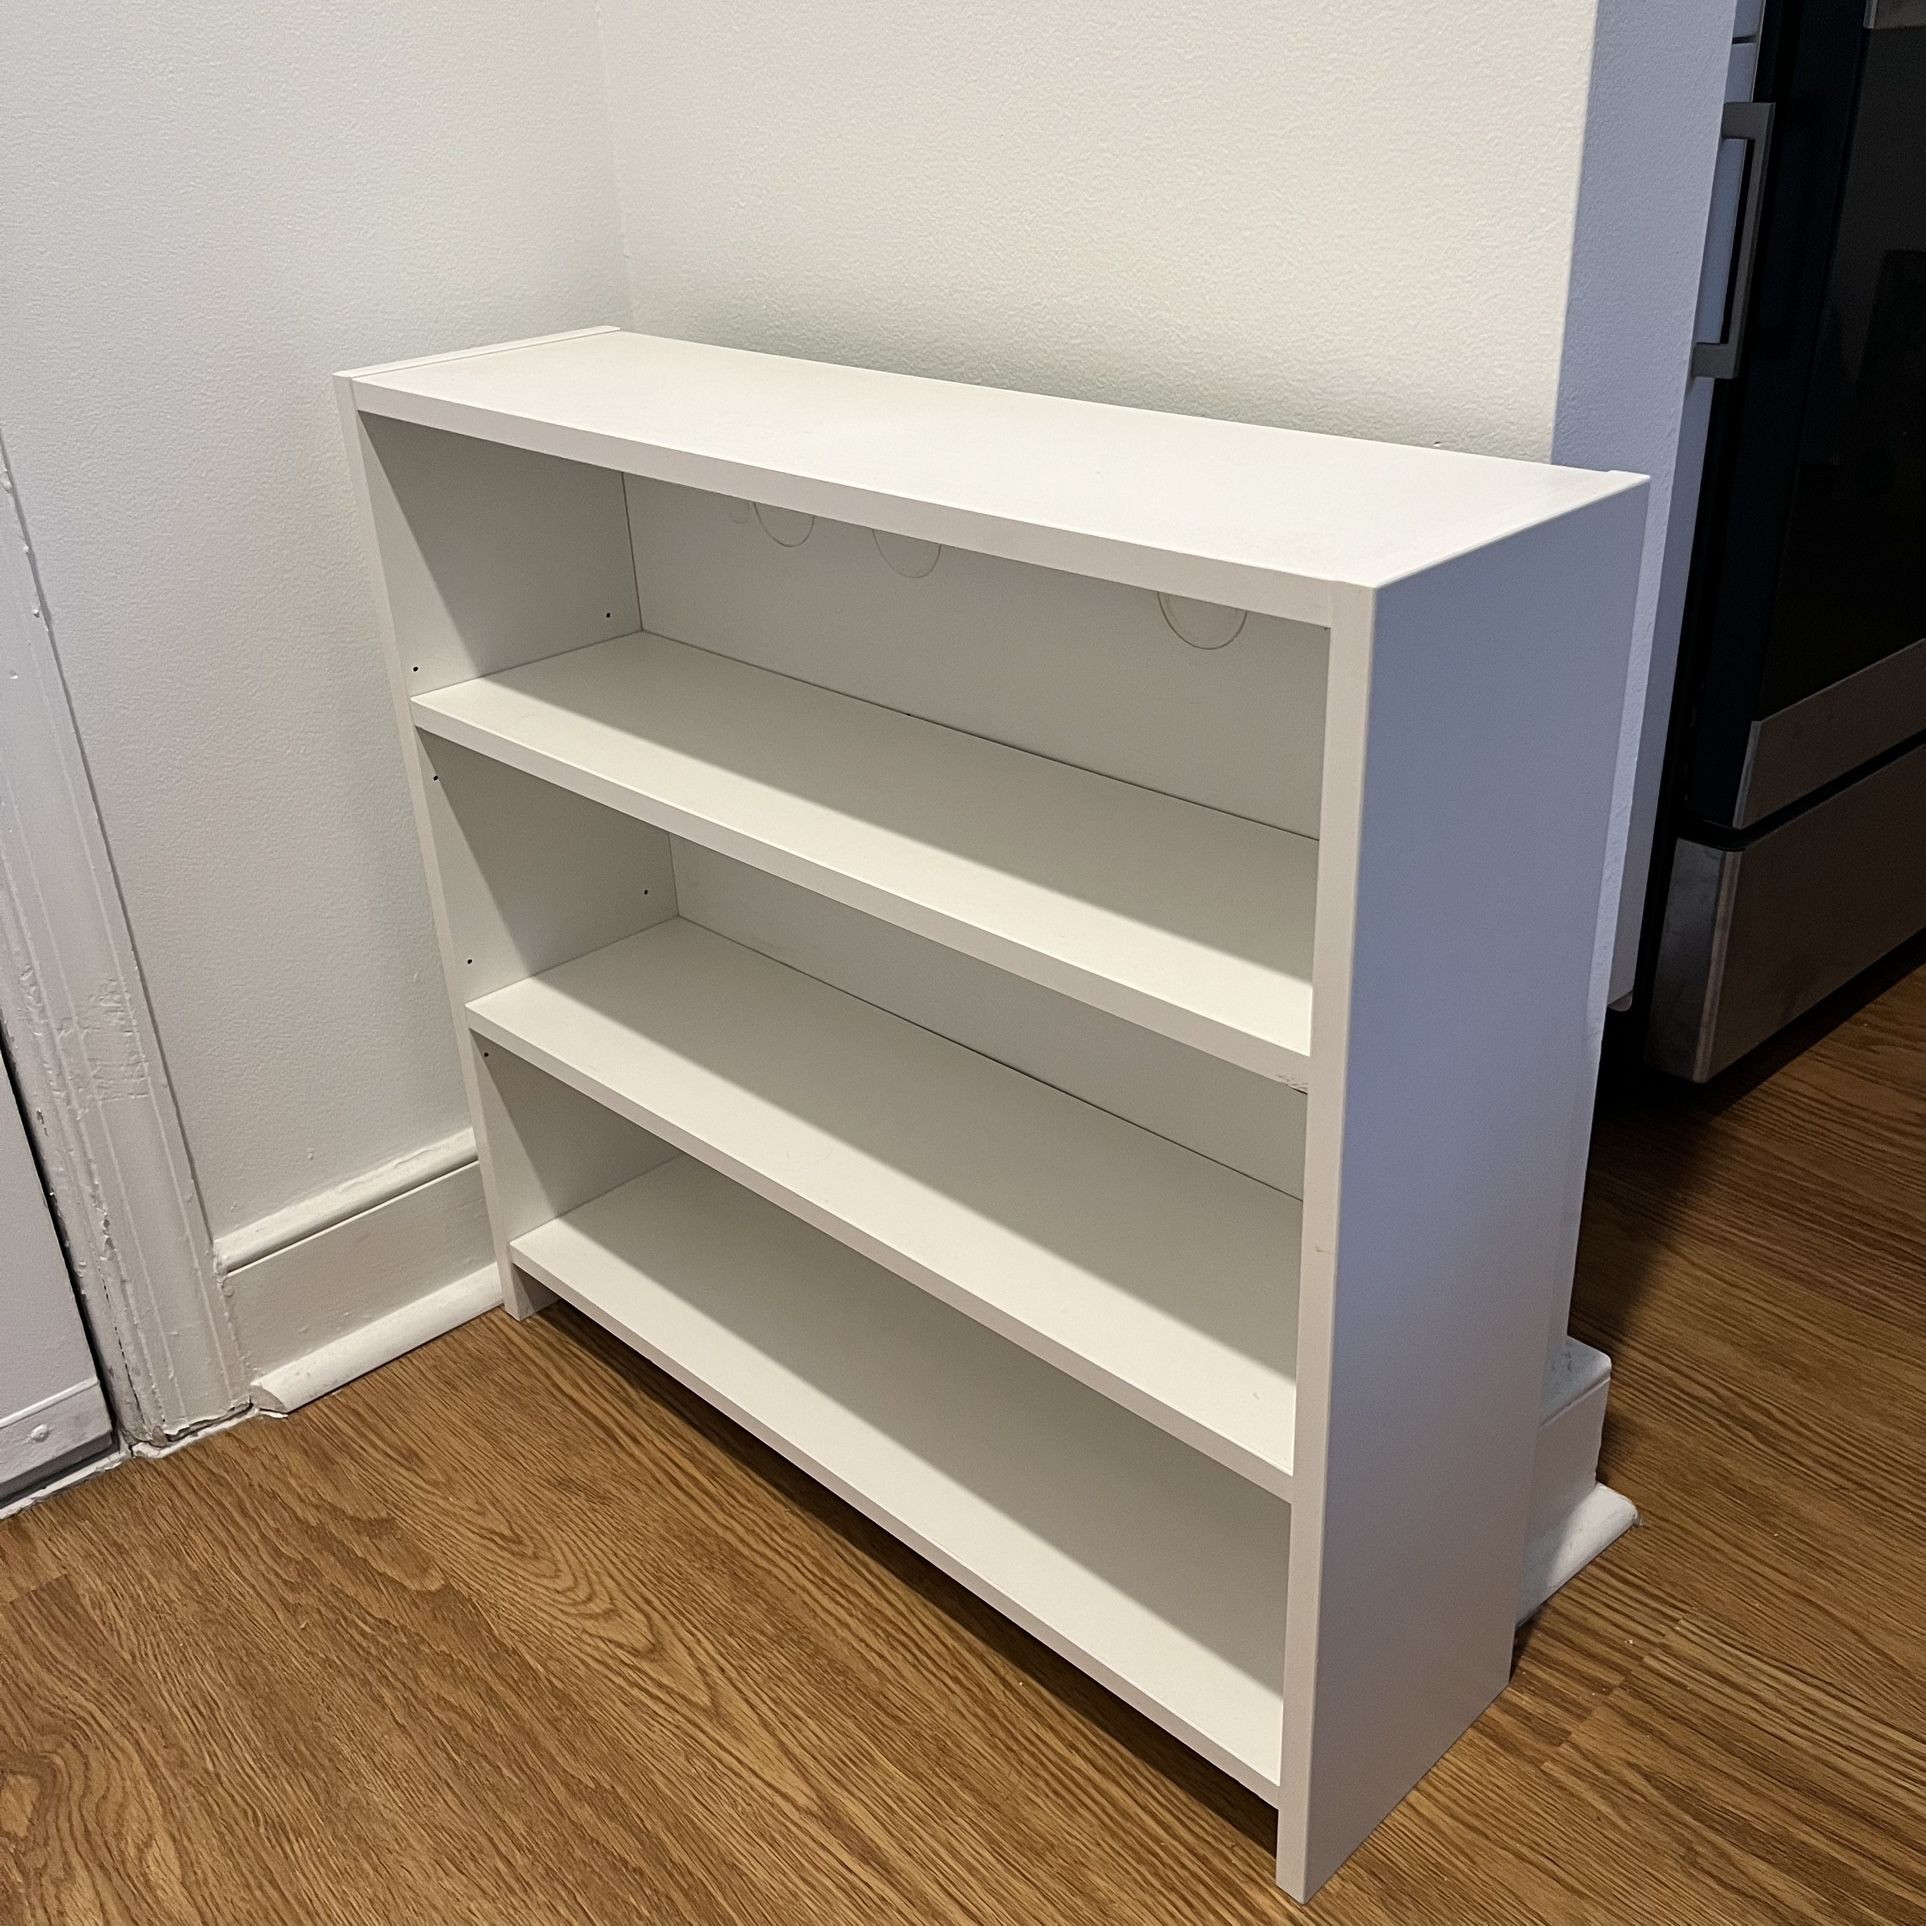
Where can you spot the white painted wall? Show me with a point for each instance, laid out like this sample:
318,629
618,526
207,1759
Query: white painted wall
1659,83
1423,221
1427,221
1305,213
205,209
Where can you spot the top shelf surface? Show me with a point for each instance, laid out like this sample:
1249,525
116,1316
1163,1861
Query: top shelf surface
1268,519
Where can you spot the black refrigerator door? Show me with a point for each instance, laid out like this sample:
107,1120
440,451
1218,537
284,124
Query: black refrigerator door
1811,577
1794,804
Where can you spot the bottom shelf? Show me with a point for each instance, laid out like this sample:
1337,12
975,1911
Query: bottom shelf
1157,1571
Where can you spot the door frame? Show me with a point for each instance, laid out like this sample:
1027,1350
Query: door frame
86,1055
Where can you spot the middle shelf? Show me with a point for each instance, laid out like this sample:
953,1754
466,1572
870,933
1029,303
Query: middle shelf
1187,920
1162,1279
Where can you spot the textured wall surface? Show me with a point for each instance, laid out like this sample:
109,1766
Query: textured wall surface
1356,220
204,211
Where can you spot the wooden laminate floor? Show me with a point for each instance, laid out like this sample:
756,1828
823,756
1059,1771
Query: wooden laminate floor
513,1631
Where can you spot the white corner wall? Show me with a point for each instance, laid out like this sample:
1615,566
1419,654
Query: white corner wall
205,209
1429,222
1659,77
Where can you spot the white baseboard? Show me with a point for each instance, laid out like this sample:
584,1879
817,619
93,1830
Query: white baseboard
1571,1428
53,1434
1571,1543
385,1184
112,1455
329,1366
1573,1516
360,1274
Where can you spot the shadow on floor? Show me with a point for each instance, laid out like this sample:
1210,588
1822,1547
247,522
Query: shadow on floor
1648,1159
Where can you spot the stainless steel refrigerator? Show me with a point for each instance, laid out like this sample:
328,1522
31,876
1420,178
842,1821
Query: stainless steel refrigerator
1792,836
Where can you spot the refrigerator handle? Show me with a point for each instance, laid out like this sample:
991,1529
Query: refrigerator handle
1751,122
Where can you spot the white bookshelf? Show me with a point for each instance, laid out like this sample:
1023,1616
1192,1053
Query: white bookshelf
1040,956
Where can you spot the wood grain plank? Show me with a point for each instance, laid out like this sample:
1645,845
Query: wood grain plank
84,1814
854,1680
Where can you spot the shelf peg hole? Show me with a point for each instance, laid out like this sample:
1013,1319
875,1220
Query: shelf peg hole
1204,625
788,527
910,558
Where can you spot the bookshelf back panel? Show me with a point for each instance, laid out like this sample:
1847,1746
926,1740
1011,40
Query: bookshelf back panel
1085,671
